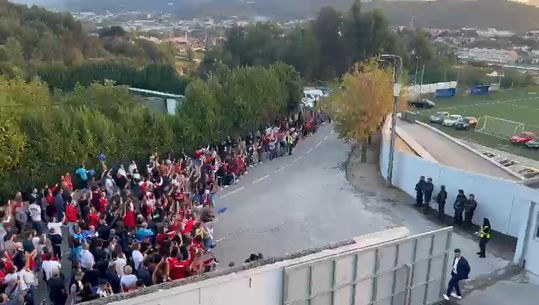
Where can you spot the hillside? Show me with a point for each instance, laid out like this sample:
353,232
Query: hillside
500,14
31,37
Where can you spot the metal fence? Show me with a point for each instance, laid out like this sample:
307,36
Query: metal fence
409,271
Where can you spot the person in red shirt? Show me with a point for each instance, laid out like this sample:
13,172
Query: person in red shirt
72,216
103,202
66,182
93,218
129,218
178,268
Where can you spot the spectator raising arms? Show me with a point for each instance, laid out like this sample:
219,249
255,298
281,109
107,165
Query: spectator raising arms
128,226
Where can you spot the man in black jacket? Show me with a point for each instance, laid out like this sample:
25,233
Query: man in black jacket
469,209
459,207
419,187
429,188
440,199
460,271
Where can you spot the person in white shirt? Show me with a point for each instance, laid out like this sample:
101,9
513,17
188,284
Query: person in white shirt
28,277
35,212
137,256
104,290
49,265
132,167
120,261
56,225
15,286
128,280
87,260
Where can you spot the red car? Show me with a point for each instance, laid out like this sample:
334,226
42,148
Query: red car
523,137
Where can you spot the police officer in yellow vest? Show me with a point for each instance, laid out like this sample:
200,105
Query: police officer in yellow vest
484,236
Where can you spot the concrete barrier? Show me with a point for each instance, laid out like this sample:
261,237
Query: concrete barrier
273,282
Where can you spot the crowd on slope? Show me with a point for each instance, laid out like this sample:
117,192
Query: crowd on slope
127,227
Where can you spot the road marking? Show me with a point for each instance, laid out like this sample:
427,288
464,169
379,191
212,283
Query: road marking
233,192
282,168
318,144
309,151
220,239
260,179
296,160
325,138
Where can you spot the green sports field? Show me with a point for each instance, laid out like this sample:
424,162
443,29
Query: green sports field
519,105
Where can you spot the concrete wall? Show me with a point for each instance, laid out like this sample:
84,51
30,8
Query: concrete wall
527,250
532,249
503,202
385,268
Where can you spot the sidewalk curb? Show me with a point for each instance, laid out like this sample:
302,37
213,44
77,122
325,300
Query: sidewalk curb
438,131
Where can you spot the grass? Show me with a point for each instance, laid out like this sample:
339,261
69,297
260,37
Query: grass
520,105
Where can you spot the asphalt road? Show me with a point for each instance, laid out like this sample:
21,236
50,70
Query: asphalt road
447,152
304,201
293,203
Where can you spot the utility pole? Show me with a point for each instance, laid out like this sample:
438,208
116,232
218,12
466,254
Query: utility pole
445,75
416,68
397,63
421,86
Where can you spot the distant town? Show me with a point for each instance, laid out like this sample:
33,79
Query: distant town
468,44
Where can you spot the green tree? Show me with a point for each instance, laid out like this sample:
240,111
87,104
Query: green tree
328,29
362,101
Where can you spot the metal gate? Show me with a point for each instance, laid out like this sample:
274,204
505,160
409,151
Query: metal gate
409,271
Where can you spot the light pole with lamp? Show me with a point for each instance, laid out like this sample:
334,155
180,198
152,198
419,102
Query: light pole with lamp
397,66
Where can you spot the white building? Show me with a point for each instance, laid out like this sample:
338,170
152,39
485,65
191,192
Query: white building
488,55
493,33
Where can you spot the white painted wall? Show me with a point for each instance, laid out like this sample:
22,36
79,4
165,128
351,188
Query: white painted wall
265,285
532,249
504,202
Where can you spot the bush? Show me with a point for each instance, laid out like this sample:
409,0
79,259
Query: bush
41,143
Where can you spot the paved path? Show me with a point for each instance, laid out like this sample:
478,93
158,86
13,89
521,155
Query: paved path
447,152
305,201
293,203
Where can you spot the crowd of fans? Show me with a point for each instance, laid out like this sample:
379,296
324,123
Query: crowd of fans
126,227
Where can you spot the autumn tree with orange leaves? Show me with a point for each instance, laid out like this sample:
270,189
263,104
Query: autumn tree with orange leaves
362,101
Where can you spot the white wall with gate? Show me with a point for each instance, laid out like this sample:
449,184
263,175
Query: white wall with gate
407,271
387,267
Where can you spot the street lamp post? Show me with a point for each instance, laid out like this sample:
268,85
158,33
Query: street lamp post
397,64
417,58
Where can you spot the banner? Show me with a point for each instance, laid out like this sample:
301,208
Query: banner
479,90
450,92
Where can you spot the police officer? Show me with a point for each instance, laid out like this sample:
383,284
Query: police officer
484,236
469,209
440,199
419,187
427,191
459,207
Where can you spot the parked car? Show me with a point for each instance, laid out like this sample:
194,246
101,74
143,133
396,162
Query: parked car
523,137
439,117
466,123
533,143
422,103
451,120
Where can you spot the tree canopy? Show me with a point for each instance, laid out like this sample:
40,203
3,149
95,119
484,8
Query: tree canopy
362,101
323,49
